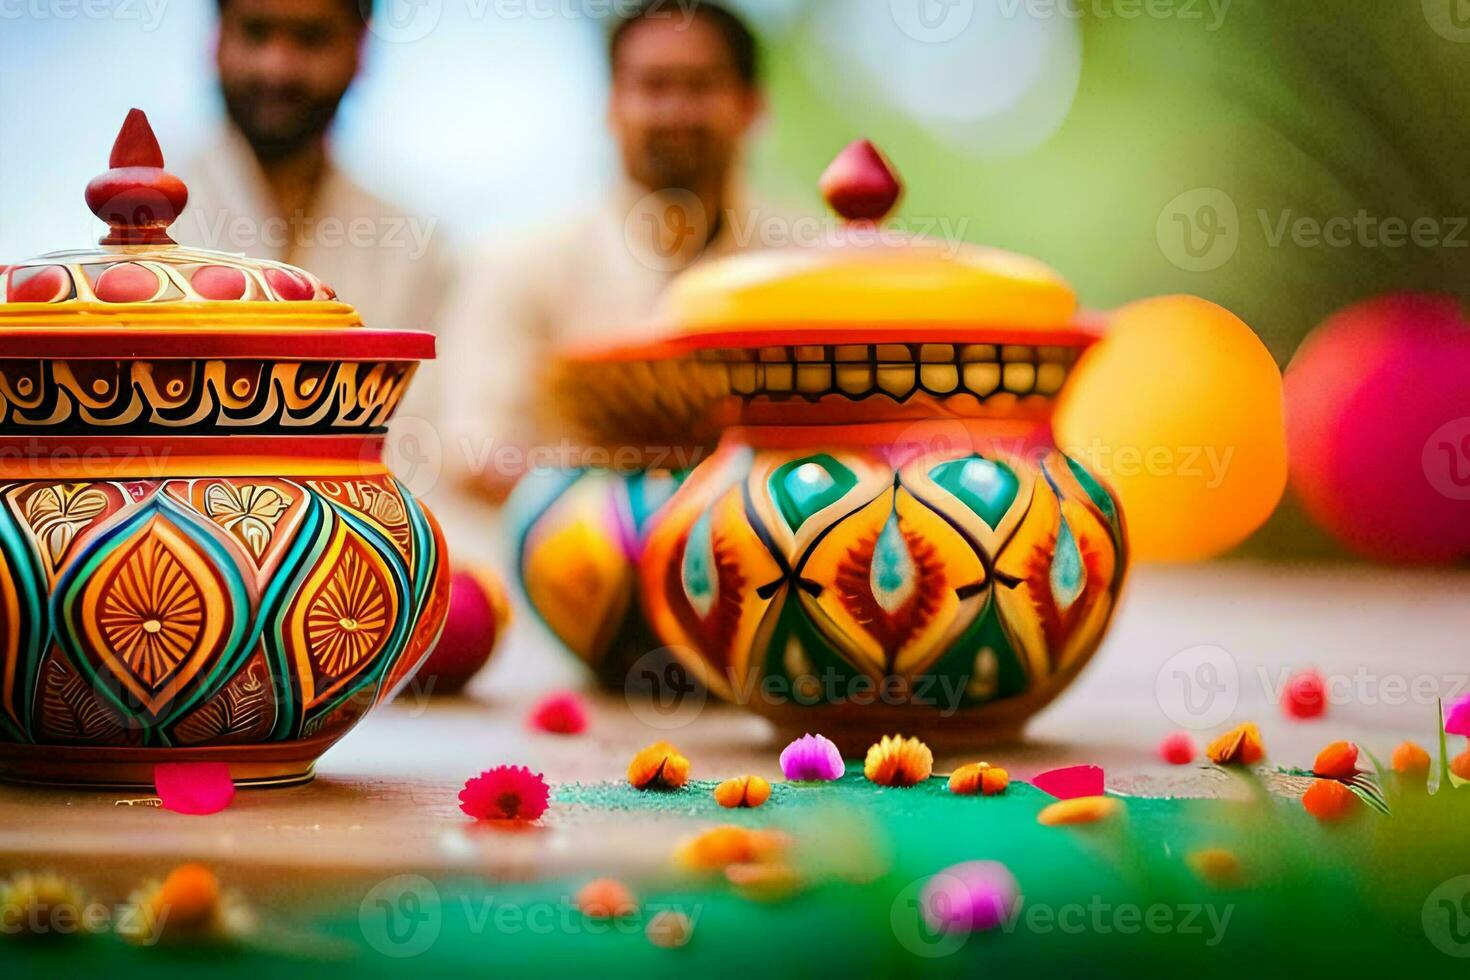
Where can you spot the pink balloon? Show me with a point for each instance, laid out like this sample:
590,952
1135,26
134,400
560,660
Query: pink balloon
1378,422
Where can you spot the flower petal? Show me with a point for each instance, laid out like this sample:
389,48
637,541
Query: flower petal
196,788
1071,782
1457,716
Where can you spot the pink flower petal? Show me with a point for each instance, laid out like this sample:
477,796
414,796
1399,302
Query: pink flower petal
562,713
970,897
812,758
1457,717
194,787
1071,783
1178,748
510,793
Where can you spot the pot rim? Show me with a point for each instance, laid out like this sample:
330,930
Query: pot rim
215,343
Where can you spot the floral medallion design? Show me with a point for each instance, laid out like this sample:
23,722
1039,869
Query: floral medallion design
987,574
248,510
157,613
197,612
56,513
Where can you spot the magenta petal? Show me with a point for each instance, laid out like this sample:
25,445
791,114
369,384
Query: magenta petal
1071,783
969,897
811,758
194,787
1457,717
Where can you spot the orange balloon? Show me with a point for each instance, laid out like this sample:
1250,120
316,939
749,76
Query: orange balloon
1179,409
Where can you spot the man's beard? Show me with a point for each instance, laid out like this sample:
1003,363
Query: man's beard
686,160
280,134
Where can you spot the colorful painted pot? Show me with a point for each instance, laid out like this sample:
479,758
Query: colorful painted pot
204,556
885,538
578,535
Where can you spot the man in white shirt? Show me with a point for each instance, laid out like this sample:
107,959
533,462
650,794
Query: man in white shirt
684,97
267,185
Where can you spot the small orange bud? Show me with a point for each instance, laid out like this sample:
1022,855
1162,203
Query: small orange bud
1328,800
898,761
1241,746
660,766
1460,765
606,898
1082,809
979,777
1217,866
189,897
1338,761
1410,758
742,791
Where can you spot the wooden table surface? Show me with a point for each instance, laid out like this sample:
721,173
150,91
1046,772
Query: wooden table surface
1389,642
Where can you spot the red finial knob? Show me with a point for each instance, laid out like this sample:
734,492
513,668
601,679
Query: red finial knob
137,198
861,184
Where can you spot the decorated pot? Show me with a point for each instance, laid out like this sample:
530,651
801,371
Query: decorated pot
205,558
578,535
885,537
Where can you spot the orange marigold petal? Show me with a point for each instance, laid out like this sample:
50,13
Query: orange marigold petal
897,761
1337,761
658,766
764,882
742,791
1328,799
720,847
1460,764
606,898
190,895
979,778
1218,866
1410,757
1081,810
1241,746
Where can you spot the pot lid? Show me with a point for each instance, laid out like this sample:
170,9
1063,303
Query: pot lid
867,281
139,293
872,325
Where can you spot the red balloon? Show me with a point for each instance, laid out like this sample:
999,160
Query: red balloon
1378,424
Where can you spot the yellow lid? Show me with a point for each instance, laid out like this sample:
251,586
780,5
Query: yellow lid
879,286
872,278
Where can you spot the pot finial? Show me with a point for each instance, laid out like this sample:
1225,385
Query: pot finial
861,184
137,198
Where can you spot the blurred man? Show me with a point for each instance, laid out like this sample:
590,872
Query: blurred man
267,185
684,97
